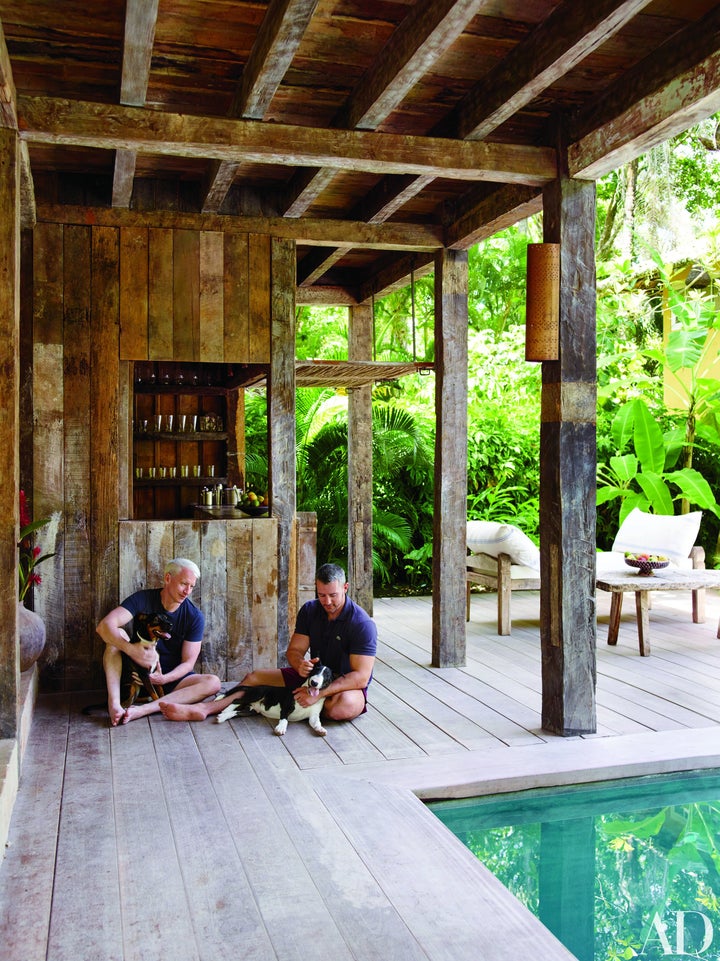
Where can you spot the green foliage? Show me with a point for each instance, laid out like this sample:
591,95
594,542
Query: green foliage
503,431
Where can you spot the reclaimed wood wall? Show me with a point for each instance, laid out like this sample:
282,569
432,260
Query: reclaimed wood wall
238,563
103,296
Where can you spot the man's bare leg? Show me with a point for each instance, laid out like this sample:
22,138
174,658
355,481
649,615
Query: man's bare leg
177,711
191,689
112,663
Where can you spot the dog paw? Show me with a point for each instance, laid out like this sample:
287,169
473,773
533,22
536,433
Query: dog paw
281,728
320,731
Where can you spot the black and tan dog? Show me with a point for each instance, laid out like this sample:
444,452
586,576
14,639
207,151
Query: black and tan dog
147,630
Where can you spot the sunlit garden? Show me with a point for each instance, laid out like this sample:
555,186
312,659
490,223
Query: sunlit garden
658,373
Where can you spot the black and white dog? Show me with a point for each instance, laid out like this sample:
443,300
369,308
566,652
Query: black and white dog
278,702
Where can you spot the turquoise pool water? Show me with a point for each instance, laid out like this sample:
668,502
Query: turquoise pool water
616,870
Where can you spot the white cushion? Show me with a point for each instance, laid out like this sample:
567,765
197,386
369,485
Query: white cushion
670,534
490,537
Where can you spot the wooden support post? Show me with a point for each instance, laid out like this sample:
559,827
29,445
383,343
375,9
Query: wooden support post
281,416
567,472
9,423
449,522
360,465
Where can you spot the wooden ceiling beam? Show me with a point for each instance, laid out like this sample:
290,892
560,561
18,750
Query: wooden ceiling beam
140,22
482,214
304,230
276,43
57,121
430,28
674,88
552,49
317,262
567,35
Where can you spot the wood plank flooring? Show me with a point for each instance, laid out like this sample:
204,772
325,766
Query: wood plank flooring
188,841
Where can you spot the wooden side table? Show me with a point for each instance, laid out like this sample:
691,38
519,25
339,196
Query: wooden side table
618,582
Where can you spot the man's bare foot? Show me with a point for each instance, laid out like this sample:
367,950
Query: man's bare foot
182,712
117,714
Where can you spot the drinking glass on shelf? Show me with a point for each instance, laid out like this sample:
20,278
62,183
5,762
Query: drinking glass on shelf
157,423
196,470
163,471
184,470
192,422
151,471
138,471
182,423
168,423
209,470
172,471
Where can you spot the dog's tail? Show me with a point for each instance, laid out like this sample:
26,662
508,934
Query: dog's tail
89,708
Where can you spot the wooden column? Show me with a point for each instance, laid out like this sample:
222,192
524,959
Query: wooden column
360,464
281,416
9,424
567,472
449,523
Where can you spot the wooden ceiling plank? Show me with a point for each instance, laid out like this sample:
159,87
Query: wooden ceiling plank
425,33
276,43
58,121
559,43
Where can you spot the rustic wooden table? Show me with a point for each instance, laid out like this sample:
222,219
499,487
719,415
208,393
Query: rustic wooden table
666,580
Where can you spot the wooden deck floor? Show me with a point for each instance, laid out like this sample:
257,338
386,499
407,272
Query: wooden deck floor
193,841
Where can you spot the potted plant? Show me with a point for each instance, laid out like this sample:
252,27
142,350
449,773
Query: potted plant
31,627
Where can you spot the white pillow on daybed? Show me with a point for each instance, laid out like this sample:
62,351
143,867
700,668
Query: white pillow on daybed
493,538
670,534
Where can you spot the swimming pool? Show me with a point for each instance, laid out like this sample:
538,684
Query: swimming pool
616,870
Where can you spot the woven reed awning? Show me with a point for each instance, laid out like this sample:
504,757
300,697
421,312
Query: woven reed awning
348,373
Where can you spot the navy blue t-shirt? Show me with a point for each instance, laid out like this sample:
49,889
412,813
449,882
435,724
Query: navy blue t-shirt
352,632
188,624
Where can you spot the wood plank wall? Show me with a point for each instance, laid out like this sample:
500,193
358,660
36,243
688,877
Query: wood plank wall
102,296
238,564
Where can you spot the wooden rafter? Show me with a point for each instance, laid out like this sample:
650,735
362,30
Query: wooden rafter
140,21
428,29
277,40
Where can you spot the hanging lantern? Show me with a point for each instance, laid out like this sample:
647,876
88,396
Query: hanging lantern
542,302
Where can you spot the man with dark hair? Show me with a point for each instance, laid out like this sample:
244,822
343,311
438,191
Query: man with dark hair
331,629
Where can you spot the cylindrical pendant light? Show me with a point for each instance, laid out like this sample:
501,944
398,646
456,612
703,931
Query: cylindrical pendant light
542,304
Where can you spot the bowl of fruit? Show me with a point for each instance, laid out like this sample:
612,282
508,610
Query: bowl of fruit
252,504
646,563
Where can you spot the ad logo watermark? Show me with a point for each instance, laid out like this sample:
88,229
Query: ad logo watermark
691,935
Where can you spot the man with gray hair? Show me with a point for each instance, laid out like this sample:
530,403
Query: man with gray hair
172,662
